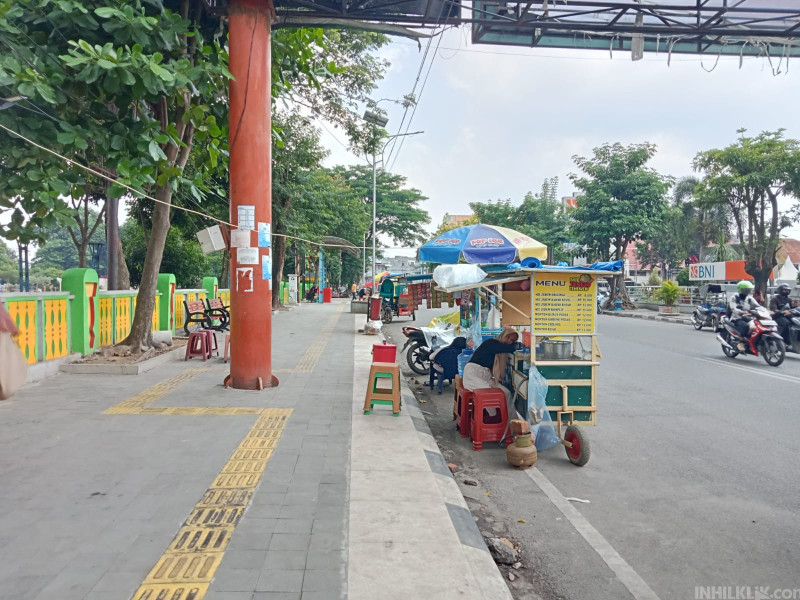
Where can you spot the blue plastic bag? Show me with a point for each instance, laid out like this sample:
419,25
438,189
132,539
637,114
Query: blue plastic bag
544,432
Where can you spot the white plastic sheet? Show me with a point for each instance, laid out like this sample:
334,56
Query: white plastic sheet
447,276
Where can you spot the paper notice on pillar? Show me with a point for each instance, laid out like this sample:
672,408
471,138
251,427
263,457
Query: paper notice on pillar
247,217
266,269
264,235
244,279
247,256
240,238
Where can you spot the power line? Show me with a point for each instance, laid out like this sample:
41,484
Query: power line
141,194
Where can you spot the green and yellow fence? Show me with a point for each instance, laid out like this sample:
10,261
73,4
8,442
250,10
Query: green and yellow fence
82,318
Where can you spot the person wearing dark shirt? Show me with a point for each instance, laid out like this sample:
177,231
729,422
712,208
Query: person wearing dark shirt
488,364
779,306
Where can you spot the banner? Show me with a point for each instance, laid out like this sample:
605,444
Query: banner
564,303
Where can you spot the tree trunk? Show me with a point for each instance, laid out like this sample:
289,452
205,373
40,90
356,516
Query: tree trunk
141,330
619,290
223,275
82,253
278,256
123,275
112,243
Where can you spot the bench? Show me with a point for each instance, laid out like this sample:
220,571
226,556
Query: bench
217,311
195,312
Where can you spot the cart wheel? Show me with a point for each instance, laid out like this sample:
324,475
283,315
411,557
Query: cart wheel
580,452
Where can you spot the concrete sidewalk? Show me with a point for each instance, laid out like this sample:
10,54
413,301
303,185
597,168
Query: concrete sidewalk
649,315
166,485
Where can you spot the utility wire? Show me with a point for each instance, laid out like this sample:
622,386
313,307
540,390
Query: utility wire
141,194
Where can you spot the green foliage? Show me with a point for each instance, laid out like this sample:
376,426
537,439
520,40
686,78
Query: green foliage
748,177
653,280
669,293
398,215
124,87
539,217
9,267
683,277
182,257
60,252
621,200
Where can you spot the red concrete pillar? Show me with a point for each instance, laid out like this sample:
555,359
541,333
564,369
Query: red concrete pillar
251,186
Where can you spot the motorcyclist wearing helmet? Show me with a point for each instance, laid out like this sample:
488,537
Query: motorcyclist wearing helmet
779,306
740,306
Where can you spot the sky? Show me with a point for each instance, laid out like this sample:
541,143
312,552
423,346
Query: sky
498,120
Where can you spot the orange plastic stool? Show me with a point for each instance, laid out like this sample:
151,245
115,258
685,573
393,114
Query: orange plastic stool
382,395
486,427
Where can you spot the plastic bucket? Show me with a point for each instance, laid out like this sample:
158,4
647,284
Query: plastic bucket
327,294
384,353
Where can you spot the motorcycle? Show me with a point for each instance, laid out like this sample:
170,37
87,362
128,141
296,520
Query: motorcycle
706,315
709,314
763,338
418,353
794,331
601,299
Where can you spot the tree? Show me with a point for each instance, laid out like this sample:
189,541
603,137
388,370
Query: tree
397,213
748,177
621,201
183,257
539,216
669,244
9,267
60,252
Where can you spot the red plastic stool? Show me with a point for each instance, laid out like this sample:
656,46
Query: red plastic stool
486,427
198,345
463,411
213,346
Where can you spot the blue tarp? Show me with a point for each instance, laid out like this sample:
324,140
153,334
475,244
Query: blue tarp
535,263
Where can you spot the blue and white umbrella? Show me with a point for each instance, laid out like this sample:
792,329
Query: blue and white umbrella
481,244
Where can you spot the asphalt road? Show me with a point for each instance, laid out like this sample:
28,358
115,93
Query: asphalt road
693,480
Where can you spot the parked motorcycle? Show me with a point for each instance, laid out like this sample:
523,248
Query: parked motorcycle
601,299
706,315
418,353
712,308
763,338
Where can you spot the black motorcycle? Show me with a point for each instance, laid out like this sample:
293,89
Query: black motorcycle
794,331
418,355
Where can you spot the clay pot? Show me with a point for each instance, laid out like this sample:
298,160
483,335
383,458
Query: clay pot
522,457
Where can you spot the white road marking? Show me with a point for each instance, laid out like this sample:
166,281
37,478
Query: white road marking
781,376
624,572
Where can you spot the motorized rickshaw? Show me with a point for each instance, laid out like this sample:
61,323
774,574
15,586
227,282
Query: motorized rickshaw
395,300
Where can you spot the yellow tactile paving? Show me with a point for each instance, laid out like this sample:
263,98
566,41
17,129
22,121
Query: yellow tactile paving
310,359
135,404
187,566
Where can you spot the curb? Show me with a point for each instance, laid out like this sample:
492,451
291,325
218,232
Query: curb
134,369
676,320
490,579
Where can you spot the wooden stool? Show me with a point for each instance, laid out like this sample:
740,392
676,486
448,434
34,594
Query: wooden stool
378,395
227,345
457,385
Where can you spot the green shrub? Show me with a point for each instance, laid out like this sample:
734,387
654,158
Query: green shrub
669,292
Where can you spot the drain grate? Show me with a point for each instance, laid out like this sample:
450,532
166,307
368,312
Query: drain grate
200,539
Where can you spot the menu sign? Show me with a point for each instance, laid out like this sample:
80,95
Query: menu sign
563,303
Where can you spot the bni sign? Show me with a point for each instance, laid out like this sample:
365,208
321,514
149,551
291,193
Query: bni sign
707,271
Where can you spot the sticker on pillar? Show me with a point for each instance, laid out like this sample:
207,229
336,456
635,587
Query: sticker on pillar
247,256
265,235
244,279
247,217
266,269
240,238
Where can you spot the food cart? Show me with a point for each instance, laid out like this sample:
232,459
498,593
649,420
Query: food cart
554,310
395,300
